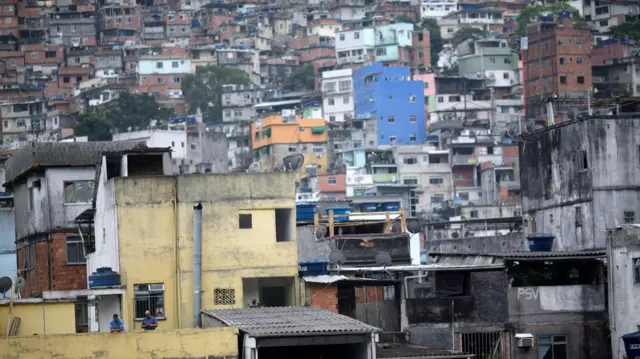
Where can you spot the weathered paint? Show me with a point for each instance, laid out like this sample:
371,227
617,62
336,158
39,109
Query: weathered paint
565,298
37,317
155,219
8,256
185,343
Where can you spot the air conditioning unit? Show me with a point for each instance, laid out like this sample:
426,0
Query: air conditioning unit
524,340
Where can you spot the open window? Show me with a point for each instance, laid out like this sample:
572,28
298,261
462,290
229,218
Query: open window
149,297
284,225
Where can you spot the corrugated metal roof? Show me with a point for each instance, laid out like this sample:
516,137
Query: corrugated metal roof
467,260
405,350
290,321
554,255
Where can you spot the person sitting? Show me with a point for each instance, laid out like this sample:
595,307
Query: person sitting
116,325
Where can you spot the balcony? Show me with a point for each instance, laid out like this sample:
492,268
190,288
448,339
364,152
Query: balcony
385,178
598,79
465,182
464,160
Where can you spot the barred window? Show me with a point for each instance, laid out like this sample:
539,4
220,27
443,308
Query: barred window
149,297
223,296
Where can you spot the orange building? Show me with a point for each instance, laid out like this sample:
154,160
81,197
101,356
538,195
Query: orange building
276,136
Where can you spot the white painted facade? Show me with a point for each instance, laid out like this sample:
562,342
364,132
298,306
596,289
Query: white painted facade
435,9
337,95
163,65
353,46
176,140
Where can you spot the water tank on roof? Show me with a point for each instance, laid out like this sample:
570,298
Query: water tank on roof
104,277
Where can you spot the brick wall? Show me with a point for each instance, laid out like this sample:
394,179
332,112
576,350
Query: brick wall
323,296
63,275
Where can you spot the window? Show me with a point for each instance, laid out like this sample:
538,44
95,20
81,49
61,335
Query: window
440,99
284,224
454,98
193,146
426,85
580,79
159,65
436,180
629,216
160,80
421,55
392,138
579,42
604,23
331,102
412,138
149,297
412,98
410,181
341,37
581,160
473,214
75,252
332,180
330,87
381,51
12,62
464,195
223,296
561,42
66,79
344,85
292,148
579,61
356,35
420,37
176,80
437,198
78,191
391,119
332,118
552,347
636,270
345,100
505,75
412,119
562,61
50,54
410,160
174,64
34,55
563,80
245,221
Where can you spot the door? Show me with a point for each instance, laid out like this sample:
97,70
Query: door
273,297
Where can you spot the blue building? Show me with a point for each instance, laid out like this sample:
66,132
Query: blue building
390,105
8,254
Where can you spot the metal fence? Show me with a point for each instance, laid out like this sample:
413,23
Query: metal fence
485,345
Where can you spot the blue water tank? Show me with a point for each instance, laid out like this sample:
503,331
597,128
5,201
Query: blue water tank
391,207
632,344
339,213
104,277
540,242
313,267
305,212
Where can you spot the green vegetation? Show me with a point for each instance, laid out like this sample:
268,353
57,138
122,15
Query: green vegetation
437,43
531,14
301,79
466,33
627,29
203,90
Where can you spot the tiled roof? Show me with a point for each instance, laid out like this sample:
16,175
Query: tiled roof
289,321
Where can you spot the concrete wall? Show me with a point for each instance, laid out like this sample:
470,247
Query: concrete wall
511,242
555,189
186,343
8,265
538,301
624,248
37,317
153,228
49,212
485,309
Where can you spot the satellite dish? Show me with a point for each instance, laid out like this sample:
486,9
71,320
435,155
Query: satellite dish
321,232
5,285
414,225
337,257
291,163
254,167
383,259
20,284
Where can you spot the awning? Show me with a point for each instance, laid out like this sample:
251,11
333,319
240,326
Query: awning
317,130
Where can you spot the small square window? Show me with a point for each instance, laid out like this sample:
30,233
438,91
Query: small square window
391,119
412,98
562,61
412,119
341,37
412,138
174,64
581,79
159,65
579,61
636,270
563,80
629,216
223,296
245,221
331,102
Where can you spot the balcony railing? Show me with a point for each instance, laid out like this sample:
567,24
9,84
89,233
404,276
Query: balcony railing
465,182
464,160
385,178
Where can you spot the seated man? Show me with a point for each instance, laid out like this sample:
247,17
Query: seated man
116,325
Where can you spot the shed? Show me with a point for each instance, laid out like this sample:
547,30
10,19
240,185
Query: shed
296,332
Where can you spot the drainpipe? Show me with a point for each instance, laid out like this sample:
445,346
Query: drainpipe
197,264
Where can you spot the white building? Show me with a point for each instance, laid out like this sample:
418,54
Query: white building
435,9
337,95
163,65
353,46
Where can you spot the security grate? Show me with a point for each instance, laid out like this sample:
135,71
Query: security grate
224,296
485,345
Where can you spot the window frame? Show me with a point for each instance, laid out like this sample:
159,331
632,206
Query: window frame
249,218
552,342
73,183
136,297
75,241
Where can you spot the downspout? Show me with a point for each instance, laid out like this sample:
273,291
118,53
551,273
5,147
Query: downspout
197,264
176,248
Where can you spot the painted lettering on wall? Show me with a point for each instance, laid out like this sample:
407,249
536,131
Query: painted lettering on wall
528,293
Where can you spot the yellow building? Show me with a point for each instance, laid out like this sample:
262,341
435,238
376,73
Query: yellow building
248,245
275,136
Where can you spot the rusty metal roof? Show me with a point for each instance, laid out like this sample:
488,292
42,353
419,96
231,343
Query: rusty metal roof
405,350
289,321
554,255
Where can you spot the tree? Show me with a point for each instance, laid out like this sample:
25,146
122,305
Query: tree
204,89
436,39
531,14
302,79
95,126
127,112
404,18
626,31
466,33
